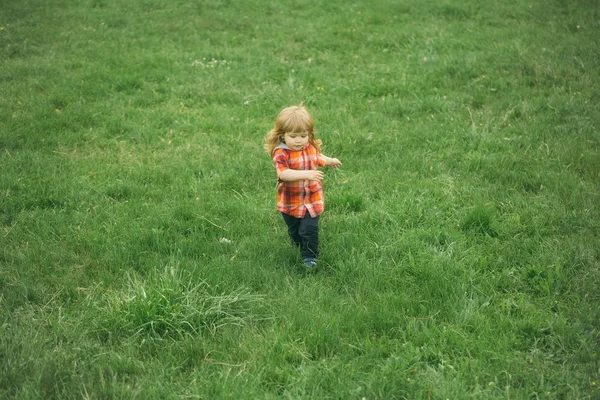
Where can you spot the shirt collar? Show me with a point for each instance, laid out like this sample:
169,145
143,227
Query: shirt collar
286,147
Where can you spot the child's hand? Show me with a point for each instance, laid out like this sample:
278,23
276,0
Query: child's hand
334,162
314,175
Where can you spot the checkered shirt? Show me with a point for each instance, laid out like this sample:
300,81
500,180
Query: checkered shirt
296,197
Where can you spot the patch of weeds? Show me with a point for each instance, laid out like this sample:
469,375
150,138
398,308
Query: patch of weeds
347,202
532,187
452,12
479,220
543,279
168,304
123,191
439,240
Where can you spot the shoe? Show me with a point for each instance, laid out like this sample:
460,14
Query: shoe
310,263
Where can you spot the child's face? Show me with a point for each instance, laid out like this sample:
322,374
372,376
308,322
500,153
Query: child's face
296,140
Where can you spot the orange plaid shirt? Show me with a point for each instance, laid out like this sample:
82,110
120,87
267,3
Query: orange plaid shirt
296,197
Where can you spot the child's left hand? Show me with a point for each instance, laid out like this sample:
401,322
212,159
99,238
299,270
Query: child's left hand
334,162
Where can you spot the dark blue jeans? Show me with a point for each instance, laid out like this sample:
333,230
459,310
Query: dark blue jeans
304,233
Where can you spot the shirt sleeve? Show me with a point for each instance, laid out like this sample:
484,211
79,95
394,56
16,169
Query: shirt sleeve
281,160
321,160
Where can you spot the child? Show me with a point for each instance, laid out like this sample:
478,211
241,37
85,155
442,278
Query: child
296,154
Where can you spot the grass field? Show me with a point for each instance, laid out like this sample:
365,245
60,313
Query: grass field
141,255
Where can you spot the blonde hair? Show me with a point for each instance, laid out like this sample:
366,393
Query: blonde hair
294,119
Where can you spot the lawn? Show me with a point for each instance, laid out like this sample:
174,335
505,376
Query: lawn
141,254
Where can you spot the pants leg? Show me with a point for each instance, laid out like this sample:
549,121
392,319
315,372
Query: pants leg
309,232
305,233
293,225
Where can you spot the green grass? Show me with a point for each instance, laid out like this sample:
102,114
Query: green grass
141,255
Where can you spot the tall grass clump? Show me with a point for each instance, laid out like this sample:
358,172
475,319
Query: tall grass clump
479,220
168,303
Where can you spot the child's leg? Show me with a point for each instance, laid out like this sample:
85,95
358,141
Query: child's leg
309,232
293,225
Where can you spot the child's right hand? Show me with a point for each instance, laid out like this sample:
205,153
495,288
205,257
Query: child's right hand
314,175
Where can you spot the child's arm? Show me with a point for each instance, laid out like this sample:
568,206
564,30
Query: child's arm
289,175
332,162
